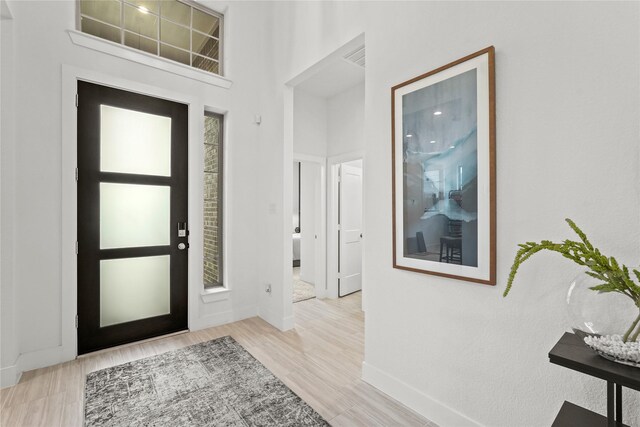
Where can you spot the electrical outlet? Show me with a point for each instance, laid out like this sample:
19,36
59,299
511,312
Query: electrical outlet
267,288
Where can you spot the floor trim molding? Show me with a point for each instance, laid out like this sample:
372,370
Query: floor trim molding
42,358
288,323
282,323
225,317
414,399
9,376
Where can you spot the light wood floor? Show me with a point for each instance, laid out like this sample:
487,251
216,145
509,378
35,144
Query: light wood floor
320,360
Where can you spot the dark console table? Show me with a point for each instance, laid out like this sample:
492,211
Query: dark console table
571,352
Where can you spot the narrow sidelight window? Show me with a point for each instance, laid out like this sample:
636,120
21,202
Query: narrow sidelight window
213,171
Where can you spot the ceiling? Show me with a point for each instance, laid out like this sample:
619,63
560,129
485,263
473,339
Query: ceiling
336,77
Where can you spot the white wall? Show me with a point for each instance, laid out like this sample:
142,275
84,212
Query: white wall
483,356
455,351
41,46
309,124
452,350
345,121
8,347
326,127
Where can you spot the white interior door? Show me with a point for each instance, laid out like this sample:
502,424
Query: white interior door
350,230
320,267
309,213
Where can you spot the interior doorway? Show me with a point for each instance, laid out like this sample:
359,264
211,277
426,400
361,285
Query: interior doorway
324,124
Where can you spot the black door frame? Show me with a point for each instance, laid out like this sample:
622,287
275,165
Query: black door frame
90,336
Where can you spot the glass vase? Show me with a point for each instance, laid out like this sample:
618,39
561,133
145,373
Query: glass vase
608,322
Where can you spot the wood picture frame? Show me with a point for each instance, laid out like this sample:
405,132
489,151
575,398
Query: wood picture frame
443,139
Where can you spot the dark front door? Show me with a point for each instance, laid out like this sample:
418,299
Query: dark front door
132,213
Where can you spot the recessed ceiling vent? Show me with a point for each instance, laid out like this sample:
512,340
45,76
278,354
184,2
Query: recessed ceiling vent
356,56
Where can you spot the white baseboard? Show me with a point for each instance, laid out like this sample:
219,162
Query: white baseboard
42,358
33,360
218,319
51,356
416,400
245,312
321,293
287,323
9,376
275,319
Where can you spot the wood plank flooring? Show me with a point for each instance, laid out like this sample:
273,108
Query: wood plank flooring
320,360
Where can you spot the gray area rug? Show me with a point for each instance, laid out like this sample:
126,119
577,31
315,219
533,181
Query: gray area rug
215,383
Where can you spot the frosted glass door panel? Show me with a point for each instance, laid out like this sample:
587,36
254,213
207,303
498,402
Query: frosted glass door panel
133,215
134,142
133,289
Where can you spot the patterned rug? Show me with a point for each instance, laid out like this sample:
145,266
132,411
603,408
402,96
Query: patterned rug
215,383
301,290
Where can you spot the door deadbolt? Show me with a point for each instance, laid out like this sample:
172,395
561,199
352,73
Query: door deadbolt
182,229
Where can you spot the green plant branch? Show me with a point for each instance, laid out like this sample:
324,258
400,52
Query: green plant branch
614,277
634,337
630,330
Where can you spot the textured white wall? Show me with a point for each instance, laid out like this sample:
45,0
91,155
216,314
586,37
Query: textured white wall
568,108
568,102
345,121
567,129
326,127
8,347
309,124
41,46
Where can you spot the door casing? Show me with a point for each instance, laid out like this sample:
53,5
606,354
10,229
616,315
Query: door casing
198,103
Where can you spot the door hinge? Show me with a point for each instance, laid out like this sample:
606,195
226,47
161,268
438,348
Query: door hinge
76,247
77,97
76,174
76,321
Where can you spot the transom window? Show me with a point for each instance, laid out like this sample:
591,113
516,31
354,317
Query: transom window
173,29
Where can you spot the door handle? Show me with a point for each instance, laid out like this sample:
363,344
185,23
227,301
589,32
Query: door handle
182,246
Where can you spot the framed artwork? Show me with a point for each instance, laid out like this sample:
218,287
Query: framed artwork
444,185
